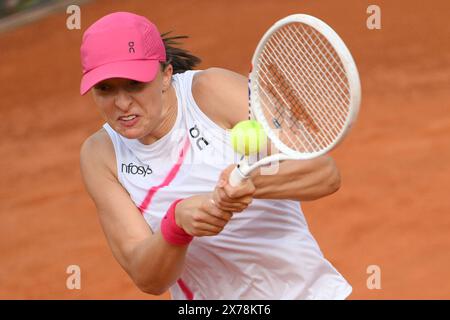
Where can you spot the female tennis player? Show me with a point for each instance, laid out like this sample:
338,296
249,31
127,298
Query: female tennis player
158,171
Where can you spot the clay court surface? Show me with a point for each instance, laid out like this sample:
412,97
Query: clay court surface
393,209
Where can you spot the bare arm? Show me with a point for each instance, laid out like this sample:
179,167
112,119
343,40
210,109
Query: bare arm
301,180
223,96
151,262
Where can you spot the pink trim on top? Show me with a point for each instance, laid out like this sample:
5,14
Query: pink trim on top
148,199
188,293
172,174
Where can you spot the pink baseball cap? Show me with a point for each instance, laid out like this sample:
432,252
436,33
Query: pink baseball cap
120,45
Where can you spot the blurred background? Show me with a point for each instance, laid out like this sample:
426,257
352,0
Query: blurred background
9,7
392,211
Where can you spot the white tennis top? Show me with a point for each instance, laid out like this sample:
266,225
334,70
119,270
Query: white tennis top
265,252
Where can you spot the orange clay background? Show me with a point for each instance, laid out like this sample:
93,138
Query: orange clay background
393,209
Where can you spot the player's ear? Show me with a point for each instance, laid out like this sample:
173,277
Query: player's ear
167,77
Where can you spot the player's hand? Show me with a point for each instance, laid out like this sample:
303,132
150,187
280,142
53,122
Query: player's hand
198,216
233,199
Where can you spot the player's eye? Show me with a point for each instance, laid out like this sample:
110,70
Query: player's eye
102,87
135,85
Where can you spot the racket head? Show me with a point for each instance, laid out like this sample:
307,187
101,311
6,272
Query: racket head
337,99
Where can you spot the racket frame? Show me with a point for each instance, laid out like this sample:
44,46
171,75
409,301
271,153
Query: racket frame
243,169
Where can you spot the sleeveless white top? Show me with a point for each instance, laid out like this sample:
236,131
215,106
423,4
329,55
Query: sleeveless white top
264,252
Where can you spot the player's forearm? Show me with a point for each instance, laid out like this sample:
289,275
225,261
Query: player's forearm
155,265
300,180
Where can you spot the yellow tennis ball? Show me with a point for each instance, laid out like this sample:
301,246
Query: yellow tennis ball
248,137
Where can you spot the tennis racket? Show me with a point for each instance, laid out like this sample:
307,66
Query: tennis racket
304,89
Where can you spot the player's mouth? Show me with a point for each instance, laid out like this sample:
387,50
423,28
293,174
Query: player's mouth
129,120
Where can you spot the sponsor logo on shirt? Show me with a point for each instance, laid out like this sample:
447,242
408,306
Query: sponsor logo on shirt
200,141
135,169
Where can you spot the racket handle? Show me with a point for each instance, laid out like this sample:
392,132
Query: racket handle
237,176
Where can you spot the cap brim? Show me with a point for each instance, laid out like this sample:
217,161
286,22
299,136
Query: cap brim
139,70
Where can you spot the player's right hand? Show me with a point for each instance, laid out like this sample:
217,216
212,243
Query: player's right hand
233,199
198,216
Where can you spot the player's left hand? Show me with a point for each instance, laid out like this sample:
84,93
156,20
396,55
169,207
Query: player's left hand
233,199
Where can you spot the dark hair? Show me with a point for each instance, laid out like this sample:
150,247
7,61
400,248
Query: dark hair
180,59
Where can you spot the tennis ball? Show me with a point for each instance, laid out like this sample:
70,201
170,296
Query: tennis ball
248,137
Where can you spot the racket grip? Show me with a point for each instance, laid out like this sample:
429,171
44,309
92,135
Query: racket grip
236,176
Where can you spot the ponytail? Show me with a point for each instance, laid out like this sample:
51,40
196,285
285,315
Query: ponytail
180,59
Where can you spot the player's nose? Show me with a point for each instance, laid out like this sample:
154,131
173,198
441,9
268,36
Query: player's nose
122,100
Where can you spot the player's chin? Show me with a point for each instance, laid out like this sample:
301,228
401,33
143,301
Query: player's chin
130,133
130,129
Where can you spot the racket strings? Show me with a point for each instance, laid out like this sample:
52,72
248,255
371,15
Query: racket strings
284,116
303,88
324,89
308,97
283,111
279,117
318,72
300,113
319,93
327,57
322,47
288,117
